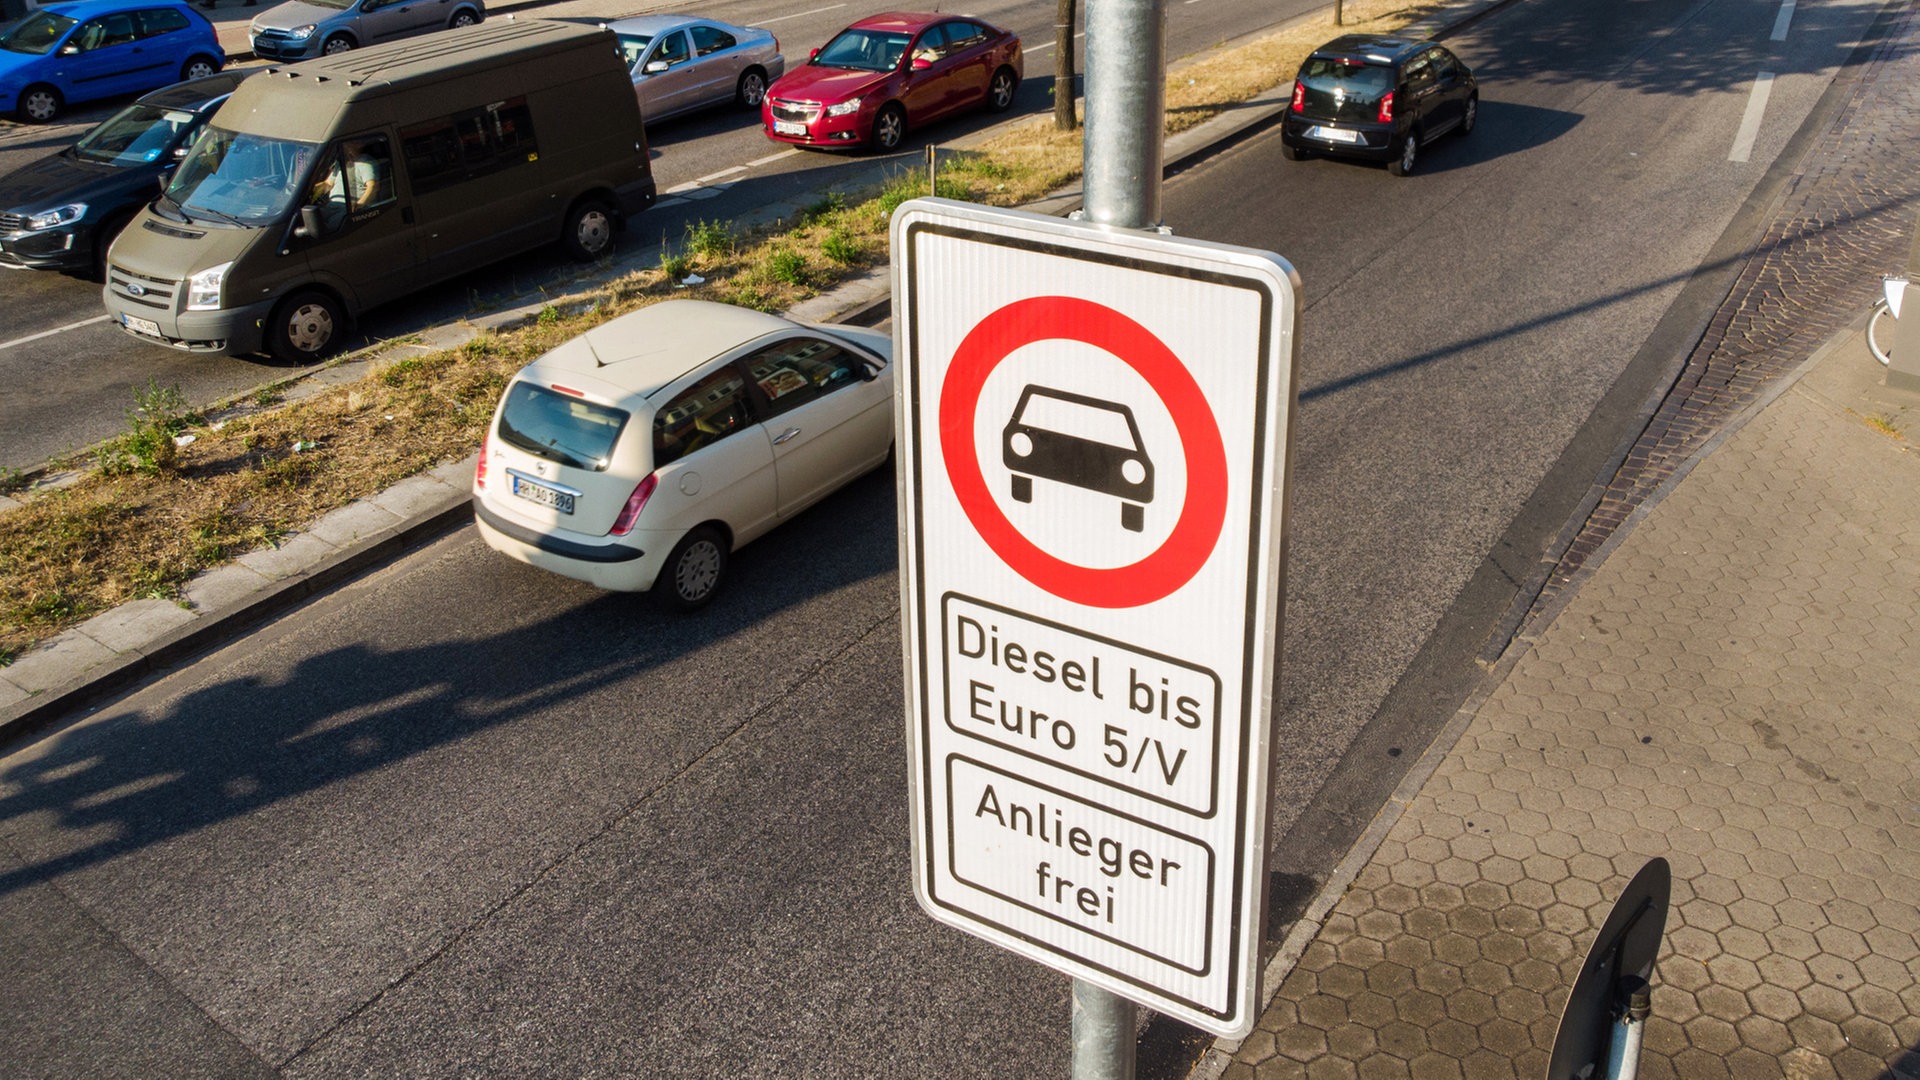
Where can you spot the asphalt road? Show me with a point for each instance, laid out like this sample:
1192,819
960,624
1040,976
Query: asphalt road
71,376
463,818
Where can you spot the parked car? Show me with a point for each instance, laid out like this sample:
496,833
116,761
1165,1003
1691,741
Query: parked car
641,454
62,211
883,75
681,63
1380,98
301,28
64,54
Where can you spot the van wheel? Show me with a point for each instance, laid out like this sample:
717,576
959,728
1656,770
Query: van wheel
588,231
39,104
198,67
463,17
693,572
306,327
753,88
889,128
336,44
1000,90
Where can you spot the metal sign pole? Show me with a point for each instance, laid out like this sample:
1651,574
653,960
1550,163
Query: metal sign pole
1122,162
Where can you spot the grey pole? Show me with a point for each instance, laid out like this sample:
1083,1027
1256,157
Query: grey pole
1122,162
1903,373
1103,1034
1126,111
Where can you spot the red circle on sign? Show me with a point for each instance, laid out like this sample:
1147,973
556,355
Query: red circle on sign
1042,318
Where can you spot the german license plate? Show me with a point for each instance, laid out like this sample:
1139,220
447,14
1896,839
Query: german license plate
788,127
542,494
1334,135
141,326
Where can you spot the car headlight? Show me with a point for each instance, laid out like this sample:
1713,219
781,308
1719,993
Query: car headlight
56,217
301,33
203,288
845,107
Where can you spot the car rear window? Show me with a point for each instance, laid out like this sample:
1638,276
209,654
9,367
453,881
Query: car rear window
560,428
1341,89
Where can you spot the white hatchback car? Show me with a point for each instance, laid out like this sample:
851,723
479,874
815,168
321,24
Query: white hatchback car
640,454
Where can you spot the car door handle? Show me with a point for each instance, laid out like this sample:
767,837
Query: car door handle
785,435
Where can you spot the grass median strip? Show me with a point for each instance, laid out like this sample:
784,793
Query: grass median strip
183,491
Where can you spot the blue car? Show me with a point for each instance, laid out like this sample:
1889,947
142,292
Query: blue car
66,53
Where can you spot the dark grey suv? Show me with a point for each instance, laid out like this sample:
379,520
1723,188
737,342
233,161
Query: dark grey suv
1380,98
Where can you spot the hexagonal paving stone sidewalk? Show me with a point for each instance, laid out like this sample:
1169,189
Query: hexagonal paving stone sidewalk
1736,688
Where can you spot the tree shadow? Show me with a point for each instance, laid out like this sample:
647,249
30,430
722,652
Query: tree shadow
221,752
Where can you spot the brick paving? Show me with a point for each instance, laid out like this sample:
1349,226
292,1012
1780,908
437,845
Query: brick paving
1731,682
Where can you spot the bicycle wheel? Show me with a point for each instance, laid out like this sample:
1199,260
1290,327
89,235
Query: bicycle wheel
1880,331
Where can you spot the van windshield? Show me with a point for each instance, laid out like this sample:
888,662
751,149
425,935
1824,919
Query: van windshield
560,428
250,180
38,35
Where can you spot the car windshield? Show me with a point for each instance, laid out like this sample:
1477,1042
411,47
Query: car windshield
136,135
633,47
863,50
1095,423
560,428
246,179
38,35
1343,89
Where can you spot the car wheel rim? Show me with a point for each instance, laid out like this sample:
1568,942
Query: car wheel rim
463,19
199,71
338,45
698,571
595,231
310,328
40,106
1002,92
889,130
752,90
1473,111
1409,152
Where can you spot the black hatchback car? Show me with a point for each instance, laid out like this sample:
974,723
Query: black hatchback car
1378,97
62,211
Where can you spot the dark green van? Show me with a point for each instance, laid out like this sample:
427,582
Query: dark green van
330,186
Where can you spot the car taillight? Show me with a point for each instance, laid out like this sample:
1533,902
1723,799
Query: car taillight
480,470
1386,107
636,502
1299,96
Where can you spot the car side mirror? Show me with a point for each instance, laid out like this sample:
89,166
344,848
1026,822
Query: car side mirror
309,226
71,48
813,55
921,63
868,371
655,67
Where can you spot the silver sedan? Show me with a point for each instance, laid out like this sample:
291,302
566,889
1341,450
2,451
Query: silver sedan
681,63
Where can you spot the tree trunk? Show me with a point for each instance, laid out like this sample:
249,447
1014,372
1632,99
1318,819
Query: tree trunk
1064,116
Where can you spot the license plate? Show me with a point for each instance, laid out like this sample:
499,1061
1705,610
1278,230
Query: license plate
788,127
1334,134
141,326
543,495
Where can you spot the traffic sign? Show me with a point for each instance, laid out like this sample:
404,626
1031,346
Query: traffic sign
1093,428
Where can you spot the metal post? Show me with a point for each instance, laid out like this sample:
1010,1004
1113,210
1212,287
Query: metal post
1903,373
1103,1038
1122,162
1126,111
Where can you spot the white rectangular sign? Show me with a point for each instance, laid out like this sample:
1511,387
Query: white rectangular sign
1094,428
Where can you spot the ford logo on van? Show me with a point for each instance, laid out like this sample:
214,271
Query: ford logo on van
134,288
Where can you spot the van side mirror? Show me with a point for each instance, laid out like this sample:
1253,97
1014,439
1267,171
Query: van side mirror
309,226
655,67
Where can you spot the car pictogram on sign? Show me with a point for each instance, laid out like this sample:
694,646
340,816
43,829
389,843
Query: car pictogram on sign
1081,441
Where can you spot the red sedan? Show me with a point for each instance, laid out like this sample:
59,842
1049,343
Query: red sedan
890,72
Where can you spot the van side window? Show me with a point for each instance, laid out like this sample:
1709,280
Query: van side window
441,153
357,177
